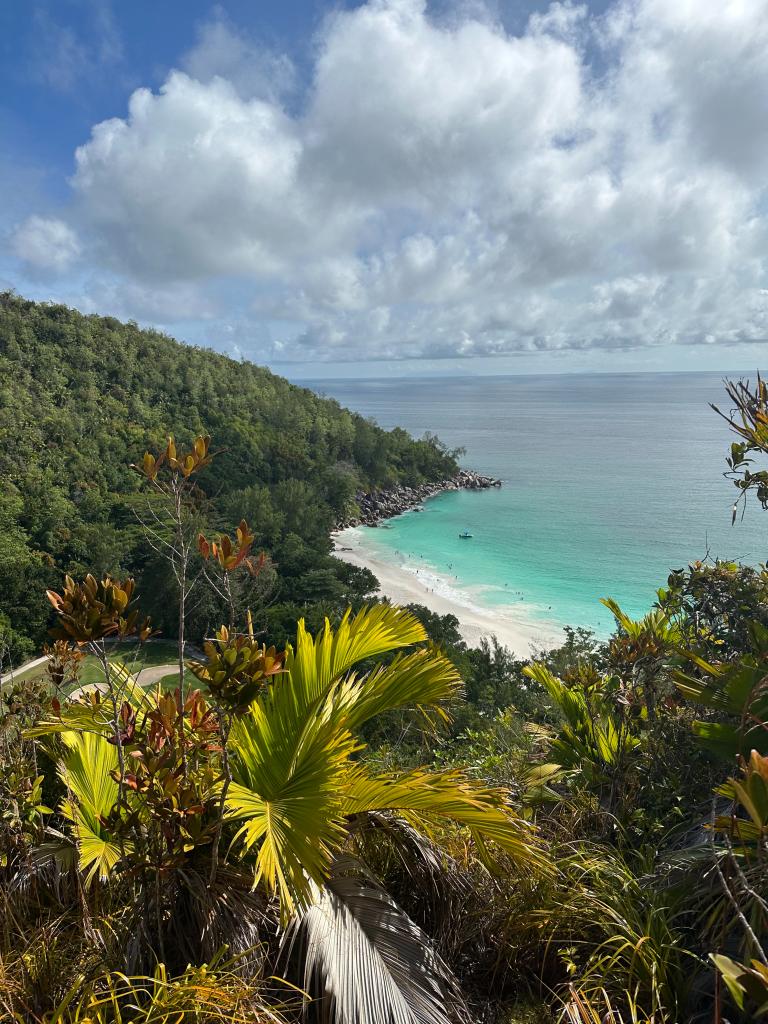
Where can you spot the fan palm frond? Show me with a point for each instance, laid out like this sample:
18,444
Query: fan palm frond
449,796
286,791
423,679
314,663
86,768
366,962
295,783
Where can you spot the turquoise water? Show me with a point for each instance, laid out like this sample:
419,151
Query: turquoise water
610,480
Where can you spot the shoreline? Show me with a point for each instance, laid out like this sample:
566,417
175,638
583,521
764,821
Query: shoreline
404,587
378,505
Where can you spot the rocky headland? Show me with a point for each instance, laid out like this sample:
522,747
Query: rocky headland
378,505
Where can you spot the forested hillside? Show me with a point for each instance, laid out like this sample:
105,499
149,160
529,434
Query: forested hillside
82,396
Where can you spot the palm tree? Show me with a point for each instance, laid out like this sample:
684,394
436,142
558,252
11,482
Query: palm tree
301,807
645,646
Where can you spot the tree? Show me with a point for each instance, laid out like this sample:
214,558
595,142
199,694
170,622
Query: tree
714,606
79,392
748,418
299,807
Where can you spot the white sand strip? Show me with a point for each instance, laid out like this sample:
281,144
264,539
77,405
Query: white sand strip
403,587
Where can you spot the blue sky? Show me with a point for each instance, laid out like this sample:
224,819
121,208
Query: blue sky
66,65
396,186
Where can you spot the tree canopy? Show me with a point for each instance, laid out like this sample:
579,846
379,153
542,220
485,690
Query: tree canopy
80,393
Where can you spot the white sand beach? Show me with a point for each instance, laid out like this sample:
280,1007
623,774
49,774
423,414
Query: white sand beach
404,587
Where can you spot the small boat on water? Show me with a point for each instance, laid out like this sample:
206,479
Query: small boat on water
466,535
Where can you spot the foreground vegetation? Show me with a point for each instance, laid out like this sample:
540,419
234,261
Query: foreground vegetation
374,823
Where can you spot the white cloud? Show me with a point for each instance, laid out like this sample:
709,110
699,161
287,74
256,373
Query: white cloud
134,300
46,243
448,188
222,51
195,181
403,108
565,20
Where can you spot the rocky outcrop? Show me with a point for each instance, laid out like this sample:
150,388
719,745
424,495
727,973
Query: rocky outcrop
376,506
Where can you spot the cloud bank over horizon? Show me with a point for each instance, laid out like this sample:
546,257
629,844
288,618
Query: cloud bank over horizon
438,187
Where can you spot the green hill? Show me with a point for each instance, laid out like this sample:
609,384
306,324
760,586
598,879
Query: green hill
81,397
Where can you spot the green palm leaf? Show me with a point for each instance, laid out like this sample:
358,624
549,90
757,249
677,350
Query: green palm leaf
738,690
292,749
295,782
314,663
288,774
448,796
86,769
419,680
592,736
656,623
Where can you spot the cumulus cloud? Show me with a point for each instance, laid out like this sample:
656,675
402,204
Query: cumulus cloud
223,51
133,300
46,243
195,181
447,188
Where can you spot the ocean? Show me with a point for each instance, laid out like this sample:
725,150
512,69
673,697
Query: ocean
610,481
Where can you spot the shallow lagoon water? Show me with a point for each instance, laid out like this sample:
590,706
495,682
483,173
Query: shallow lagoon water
610,481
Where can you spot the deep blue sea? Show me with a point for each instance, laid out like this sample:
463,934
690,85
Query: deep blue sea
610,481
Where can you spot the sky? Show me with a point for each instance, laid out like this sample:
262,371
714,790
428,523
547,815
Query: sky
396,187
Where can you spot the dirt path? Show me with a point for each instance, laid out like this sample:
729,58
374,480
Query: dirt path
146,677
155,673
10,676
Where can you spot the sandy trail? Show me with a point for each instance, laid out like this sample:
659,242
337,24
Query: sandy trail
146,677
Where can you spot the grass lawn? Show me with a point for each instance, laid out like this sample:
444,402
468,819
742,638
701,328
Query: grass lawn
27,674
92,674
149,655
135,658
158,652
171,681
